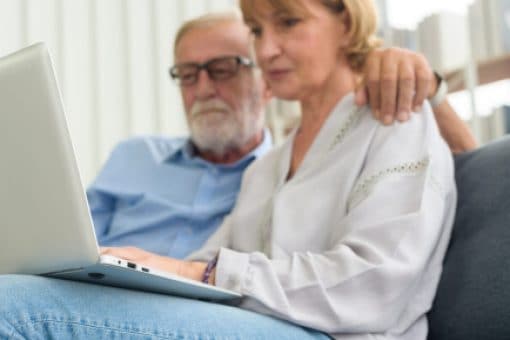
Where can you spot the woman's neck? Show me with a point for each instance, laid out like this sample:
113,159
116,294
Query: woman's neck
316,108
317,105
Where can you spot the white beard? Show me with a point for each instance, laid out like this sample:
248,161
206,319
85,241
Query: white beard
216,128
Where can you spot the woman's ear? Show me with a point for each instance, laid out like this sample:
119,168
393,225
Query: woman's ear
345,20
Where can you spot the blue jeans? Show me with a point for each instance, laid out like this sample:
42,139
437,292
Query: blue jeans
33,307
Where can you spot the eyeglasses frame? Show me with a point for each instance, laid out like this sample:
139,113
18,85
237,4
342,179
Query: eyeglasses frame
240,60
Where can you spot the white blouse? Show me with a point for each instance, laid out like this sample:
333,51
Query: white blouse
353,244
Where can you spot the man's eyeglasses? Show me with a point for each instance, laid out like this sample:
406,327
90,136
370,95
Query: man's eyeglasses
221,68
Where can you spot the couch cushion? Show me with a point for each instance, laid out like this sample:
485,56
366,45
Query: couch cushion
473,298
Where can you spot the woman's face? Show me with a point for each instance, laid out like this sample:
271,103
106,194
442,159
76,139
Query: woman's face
299,54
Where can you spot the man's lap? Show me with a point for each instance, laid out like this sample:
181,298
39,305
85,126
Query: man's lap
40,308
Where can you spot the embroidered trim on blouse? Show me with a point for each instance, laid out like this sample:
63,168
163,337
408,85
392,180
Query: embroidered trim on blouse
363,189
349,123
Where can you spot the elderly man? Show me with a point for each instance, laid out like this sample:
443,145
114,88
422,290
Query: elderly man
169,195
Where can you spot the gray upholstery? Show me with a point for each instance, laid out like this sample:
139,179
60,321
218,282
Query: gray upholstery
473,298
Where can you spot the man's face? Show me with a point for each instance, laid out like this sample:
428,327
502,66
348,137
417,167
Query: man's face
222,114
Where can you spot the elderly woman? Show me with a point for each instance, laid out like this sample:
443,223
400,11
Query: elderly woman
344,227
341,230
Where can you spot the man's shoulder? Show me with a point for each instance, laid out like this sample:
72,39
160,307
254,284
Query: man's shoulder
161,142
156,146
134,156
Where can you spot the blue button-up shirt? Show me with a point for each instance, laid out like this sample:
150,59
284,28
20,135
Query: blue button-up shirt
156,194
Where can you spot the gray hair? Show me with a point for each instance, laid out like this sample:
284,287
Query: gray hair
206,20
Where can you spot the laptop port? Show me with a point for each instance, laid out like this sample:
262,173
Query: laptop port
145,270
131,265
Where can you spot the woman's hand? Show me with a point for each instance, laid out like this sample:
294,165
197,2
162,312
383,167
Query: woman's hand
187,269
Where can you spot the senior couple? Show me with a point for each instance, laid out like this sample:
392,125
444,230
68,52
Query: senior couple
338,233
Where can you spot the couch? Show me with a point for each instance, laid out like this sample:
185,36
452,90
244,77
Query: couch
473,297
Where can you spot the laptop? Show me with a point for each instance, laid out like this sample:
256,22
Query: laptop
46,227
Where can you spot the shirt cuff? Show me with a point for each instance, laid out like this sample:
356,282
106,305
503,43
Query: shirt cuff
231,270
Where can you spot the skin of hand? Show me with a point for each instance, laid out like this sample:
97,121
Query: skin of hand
395,82
188,269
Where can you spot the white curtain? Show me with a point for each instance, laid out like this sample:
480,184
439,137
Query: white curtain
111,59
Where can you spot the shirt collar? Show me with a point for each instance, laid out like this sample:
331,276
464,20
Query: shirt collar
188,152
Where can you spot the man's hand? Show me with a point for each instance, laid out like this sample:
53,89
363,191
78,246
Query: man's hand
395,83
190,270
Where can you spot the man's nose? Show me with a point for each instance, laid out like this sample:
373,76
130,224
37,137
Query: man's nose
205,86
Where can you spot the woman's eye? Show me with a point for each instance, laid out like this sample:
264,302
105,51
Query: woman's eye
256,31
290,22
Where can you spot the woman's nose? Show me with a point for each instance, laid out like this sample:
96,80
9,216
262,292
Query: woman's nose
267,46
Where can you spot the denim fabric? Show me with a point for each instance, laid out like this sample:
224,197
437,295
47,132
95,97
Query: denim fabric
35,308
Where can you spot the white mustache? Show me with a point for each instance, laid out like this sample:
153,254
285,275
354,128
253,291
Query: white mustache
209,105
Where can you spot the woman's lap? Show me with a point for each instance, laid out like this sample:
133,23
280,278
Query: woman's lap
40,308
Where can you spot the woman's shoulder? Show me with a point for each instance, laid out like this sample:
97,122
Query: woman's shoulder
419,135
410,144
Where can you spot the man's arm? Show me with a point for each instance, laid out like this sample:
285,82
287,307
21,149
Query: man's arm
397,82
453,129
102,208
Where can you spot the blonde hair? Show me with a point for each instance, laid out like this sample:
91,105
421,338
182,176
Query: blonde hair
362,22
211,19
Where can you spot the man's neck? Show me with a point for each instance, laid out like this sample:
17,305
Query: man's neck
232,155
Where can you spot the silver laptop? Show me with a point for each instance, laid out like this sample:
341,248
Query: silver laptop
45,224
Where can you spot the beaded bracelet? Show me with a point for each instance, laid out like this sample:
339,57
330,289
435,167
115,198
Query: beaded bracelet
209,269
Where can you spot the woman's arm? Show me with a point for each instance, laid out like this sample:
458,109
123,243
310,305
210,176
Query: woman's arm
193,268
385,254
365,282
